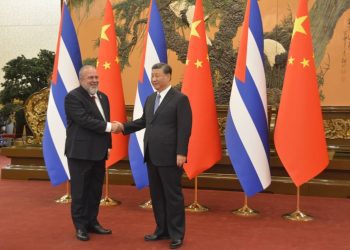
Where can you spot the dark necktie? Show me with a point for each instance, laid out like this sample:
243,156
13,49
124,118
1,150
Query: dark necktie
156,103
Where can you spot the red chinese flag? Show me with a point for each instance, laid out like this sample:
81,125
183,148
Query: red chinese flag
299,135
205,145
111,83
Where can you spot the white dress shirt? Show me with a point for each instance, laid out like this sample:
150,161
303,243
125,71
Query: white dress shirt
99,106
163,94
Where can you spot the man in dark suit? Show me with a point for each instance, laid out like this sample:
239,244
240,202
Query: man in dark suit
87,146
167,118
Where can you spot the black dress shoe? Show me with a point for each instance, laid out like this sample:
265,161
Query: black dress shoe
175,244
154,237
98,229
82,235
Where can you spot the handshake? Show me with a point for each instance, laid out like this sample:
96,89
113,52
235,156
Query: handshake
117,127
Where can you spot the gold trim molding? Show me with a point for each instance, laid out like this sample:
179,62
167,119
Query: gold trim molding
35,113
337,128
36,106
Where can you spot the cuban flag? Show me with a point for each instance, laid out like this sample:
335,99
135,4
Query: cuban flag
64,79
155,51
247,125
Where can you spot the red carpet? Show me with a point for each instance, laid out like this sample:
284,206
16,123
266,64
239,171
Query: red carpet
30,219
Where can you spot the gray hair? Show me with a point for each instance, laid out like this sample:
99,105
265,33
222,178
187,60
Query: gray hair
85,67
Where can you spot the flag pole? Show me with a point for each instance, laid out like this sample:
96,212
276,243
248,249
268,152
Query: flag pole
107,201
146,205
24,135
245,211
67,198
195,206
298,215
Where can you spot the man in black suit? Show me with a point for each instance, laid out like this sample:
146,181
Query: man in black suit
87,147
167,118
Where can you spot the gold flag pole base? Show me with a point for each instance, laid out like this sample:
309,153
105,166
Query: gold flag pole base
67,198
297,216
64,199
245,211
146,205
108,202
196,207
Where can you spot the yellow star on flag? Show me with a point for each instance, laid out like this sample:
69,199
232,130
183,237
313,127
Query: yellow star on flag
194,26
198,64
291,60
305,63
298,27
116,60
107,65
97,63
103,32
187,61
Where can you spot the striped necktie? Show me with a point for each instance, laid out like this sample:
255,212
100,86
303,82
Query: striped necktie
156,103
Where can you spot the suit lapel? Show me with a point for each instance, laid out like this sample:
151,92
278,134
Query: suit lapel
93,105
167,98
103,102
151,101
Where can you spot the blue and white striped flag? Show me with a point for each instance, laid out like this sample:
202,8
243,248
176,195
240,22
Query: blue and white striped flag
64,79
155,51
247,126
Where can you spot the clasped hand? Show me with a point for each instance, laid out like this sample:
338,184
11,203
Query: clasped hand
117,127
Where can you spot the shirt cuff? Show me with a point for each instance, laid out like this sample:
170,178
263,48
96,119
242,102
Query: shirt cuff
108,127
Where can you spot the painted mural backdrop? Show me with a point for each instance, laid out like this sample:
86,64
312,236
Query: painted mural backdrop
330,25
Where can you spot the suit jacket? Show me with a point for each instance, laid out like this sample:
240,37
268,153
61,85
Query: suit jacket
86,136
167,130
